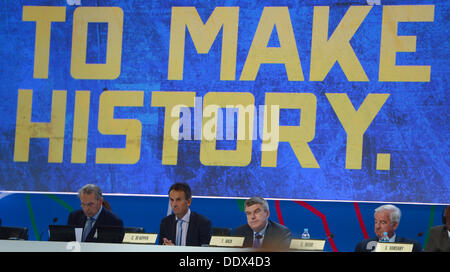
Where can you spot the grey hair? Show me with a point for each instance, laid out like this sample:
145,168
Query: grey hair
257,200
91,189
394,212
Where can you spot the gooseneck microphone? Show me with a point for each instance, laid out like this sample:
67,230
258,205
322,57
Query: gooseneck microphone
55,219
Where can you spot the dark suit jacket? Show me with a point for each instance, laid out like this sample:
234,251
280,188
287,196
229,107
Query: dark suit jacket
438,240
276,236
199,230
105,218
364,245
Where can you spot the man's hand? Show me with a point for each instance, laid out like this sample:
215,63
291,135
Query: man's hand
167,242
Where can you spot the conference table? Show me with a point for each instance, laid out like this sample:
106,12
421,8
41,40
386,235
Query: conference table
51,246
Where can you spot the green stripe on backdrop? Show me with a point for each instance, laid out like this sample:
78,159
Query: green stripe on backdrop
241,204
32,218
61,202
430,224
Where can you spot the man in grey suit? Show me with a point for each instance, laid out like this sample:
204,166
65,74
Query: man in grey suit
439,239
260,232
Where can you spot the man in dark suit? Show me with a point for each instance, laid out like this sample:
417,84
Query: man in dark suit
260,232
439,239
387,219
184,227
93,214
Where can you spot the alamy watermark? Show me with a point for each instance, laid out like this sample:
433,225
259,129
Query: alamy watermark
214,122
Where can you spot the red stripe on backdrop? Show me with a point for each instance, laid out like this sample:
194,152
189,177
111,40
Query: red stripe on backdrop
280,216
324,222
360,220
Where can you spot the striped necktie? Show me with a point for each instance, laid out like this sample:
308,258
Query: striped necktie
88,228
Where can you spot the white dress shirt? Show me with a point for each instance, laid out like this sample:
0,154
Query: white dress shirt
184,227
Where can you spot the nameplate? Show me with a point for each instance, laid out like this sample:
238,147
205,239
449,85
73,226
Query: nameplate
226,241
394,247
307,244
139,238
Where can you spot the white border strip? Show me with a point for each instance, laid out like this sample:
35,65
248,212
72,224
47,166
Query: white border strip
228,197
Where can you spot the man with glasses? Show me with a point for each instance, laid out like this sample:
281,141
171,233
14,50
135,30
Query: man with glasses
260,232
92,214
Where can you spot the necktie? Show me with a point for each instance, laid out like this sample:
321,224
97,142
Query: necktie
179,232
88,228
257,240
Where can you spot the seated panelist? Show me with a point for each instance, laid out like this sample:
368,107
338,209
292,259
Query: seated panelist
439,239
387,219
92,214
184,227
260,232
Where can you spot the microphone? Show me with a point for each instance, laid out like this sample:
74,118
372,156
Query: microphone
55,219
331,236
259,236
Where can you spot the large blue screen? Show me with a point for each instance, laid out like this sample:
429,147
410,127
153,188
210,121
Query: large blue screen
332,100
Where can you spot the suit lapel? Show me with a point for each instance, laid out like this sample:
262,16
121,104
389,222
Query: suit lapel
191,229
268,233
83,220
101,218
173,228
248,234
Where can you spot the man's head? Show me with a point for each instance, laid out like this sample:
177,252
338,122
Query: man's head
387,218
257,211
180,198
91,199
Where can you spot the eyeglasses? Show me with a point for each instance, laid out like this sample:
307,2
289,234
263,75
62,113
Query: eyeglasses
89,205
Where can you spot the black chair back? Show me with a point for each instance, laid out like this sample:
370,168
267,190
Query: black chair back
134,230
221,231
